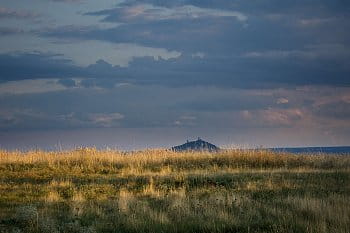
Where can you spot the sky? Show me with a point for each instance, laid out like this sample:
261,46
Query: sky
139,74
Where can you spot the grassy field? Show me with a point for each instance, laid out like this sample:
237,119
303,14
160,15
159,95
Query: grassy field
87,190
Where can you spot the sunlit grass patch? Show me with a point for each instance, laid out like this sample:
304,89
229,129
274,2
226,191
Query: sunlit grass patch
87,190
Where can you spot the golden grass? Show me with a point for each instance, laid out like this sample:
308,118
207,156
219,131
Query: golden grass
166,162
88,190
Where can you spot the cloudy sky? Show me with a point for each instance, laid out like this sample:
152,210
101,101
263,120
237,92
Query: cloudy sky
153,73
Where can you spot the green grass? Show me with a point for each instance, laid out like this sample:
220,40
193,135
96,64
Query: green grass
87,190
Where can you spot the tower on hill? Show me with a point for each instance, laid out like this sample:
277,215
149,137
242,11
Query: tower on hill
198,145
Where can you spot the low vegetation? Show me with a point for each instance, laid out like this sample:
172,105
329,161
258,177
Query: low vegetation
88,190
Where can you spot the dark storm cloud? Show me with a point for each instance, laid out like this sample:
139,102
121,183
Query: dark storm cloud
34,66
282,31
238,72
244,44
267,25
279,43
38,65
185,70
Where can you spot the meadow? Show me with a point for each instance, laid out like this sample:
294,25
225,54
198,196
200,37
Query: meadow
89,190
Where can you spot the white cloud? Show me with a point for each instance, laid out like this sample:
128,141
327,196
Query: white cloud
150,12
282,101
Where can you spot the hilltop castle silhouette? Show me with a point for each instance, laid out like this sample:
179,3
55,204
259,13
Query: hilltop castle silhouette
198,145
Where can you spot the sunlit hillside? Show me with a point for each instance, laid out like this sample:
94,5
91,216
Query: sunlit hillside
87,190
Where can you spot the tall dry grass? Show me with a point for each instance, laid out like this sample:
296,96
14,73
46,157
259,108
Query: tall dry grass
89,190
166,160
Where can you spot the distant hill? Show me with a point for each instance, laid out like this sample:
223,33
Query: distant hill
198,145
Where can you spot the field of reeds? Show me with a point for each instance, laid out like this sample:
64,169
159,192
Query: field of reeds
88,190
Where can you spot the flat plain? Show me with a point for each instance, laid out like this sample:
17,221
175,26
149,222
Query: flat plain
89,190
